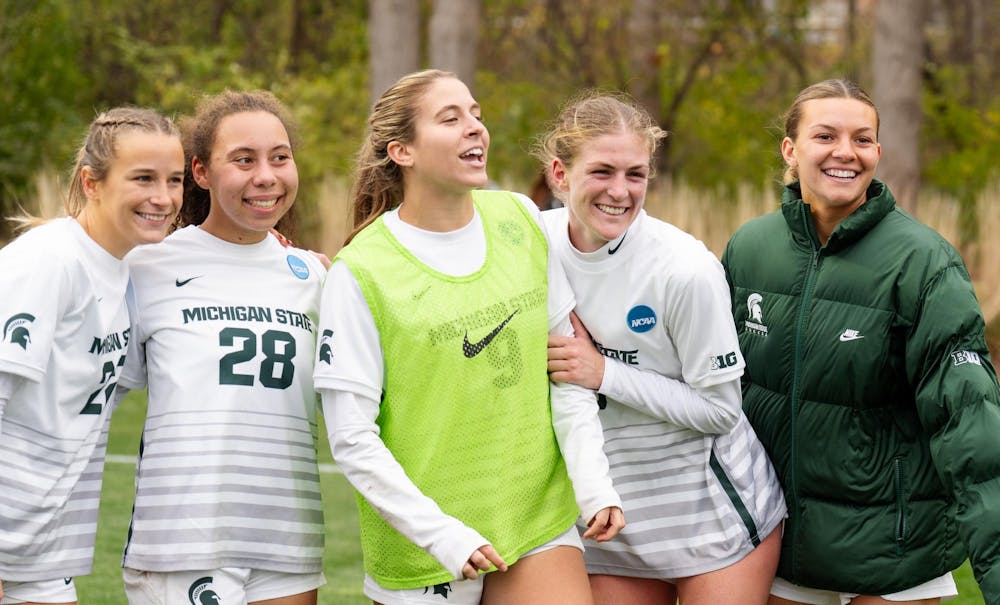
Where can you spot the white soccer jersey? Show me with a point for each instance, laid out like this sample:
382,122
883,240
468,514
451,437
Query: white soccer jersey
227,475
65,332
698,489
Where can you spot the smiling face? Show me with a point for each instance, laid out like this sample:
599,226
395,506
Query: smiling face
835,152
447,157
140,195
604,188
251,176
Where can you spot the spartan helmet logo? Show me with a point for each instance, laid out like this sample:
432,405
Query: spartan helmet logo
753,306
325,350
16,330
201,592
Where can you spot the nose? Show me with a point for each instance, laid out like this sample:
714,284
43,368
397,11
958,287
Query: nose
263,175
844,148
617,187
474,126
162,193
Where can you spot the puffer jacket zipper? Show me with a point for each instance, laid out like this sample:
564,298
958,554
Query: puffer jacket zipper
793,488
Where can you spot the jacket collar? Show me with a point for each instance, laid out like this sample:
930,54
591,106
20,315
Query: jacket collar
879,203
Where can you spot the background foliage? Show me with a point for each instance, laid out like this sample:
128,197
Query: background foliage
719,72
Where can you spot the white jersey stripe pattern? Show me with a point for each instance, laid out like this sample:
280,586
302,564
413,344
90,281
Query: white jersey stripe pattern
658,308
63,334
227,474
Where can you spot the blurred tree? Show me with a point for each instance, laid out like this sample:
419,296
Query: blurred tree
898,55
454,37
393,41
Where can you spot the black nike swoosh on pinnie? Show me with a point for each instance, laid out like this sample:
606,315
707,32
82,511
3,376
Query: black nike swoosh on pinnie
184,282
620,242
471,349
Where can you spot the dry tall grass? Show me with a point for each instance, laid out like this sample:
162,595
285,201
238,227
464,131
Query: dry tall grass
712,219
704,214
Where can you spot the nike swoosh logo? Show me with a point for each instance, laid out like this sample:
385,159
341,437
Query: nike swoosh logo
184,282
67,581
471,349
848,337
620,242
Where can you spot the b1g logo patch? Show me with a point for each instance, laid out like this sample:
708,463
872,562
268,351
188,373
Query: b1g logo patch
960,358
298,266
641,319
721,362
201,593
17,330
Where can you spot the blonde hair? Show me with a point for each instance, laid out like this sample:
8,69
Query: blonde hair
827,89
199,137
593,114
378,181
99,151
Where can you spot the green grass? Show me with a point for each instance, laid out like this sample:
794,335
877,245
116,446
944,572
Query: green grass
342,557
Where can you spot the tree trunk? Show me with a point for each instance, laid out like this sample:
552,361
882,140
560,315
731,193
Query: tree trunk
393,42
897,61
454,36
644,59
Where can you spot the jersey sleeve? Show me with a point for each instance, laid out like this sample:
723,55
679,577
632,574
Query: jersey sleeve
561,298
712,409
581,441
36,291
133,375
698,313
958,403
348,352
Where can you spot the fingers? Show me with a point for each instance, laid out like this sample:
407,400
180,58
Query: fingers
481,560
606,524
578,327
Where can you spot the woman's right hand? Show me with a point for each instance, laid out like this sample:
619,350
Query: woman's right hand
480,560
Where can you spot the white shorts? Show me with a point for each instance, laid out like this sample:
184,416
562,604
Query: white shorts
62,590
229,585
457,592
942,587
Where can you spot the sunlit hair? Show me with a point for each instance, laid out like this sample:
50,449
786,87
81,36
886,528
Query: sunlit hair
378,181
827,89
593,114
99,151
199,137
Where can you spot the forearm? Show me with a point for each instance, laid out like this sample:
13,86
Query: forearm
712,410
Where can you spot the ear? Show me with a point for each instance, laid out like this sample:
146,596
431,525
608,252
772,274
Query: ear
199,172
90,184
560,176
788,152
399,153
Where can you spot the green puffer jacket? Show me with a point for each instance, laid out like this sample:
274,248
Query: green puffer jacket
869,383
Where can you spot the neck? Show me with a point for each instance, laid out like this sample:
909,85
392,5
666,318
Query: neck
93,230
826,218
438,211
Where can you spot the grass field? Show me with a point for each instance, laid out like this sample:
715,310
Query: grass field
342,558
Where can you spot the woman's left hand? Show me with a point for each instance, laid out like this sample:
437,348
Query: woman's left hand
575,359
606,524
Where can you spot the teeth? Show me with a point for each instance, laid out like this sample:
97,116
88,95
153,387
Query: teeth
262,203
478,152
611,209
846,174
159,218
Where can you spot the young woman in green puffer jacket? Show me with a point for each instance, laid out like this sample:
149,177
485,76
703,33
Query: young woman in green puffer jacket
868,379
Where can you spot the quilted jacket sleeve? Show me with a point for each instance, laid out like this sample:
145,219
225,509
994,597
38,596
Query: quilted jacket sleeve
958,401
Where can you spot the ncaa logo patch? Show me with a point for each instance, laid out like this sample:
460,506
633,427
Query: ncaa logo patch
298,266
641,319
17,330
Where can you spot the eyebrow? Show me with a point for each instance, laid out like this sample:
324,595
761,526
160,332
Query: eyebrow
830,127
456,107
253,150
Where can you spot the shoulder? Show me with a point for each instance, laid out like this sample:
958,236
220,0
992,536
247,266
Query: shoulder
51,246
675,253
297,259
